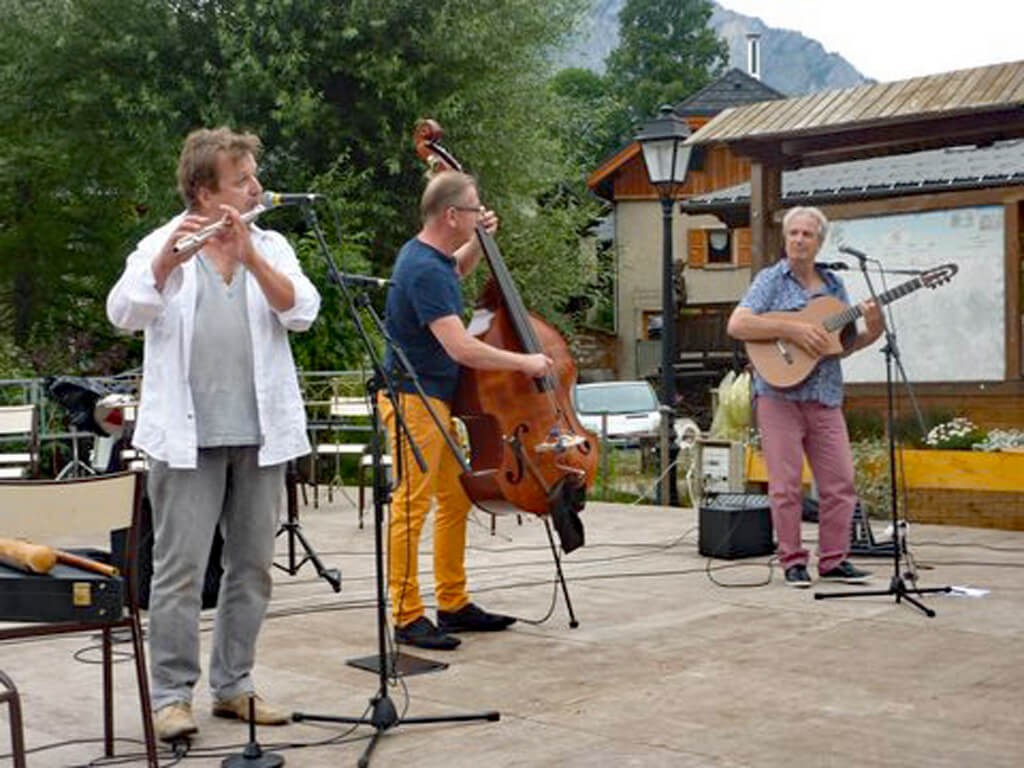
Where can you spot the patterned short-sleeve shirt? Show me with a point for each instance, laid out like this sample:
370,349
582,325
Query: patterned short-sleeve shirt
776,289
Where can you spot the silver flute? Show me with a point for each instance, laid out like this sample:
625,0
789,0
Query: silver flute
202,235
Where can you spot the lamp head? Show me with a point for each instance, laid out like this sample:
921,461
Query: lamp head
666,156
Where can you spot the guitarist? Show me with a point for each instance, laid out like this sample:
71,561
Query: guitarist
807,418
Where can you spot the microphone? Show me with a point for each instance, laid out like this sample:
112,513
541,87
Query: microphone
362,281
275,199
859,255
835,266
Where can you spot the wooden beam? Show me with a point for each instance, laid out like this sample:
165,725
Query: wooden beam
765,197
938,201
988,404
838,144
877,140
940,389
1014,248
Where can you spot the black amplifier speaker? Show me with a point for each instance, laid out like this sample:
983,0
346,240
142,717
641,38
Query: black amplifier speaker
735,525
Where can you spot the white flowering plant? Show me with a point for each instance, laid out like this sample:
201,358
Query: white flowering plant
956,434
1002,440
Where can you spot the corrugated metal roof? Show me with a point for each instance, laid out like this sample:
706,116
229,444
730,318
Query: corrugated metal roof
974,91
952,168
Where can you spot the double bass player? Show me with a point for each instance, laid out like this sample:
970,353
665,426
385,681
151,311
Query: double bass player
424,317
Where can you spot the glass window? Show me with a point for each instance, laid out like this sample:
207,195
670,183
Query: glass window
719,246
616,397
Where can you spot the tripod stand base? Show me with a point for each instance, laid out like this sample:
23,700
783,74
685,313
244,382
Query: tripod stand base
293,529
385,716
398,664
898,588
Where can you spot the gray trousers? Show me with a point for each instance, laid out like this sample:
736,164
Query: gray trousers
228,489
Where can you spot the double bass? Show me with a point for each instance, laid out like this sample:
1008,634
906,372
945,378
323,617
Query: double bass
528,450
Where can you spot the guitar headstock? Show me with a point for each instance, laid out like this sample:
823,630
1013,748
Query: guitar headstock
937,276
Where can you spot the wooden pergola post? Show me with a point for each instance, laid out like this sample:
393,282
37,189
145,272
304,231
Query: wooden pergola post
765,202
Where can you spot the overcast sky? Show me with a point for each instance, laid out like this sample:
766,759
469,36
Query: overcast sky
895,39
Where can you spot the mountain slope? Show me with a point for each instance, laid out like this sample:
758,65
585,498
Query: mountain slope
790,62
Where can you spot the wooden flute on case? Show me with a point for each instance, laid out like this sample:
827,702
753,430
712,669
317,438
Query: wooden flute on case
39,558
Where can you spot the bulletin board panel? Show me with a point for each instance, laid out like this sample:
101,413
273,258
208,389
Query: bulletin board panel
954,332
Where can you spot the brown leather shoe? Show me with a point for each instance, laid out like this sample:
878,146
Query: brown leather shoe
238,708
174,722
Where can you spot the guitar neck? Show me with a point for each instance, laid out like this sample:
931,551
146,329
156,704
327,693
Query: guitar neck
848,315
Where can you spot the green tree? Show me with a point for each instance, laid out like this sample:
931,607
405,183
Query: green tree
97,95
597,123
666,51
68,112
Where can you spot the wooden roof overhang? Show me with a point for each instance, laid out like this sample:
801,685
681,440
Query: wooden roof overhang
862,139
974,106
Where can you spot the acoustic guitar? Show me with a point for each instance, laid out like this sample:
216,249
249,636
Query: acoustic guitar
784,364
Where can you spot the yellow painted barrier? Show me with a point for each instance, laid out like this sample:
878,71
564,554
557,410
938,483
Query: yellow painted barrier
969,488
963,470
757,472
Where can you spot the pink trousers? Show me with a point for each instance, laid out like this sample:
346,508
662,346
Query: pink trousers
788,431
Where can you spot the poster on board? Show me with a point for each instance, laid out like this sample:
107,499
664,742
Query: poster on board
954,332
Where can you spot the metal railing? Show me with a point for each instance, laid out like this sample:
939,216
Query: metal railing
317,388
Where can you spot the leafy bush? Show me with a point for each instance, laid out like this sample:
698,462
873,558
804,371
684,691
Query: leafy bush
871,475
14,363
865,425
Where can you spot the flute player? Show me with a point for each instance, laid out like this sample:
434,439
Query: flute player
220,415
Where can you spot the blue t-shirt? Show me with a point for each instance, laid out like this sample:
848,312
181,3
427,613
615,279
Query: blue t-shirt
424,287
775,289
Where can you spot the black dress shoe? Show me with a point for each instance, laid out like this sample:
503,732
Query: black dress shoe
471,618
846,572
423,634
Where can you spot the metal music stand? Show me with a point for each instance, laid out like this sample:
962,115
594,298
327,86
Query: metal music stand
383,714
79,397
76,467
897,585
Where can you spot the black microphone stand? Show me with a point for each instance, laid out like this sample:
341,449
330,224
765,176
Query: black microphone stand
382,712
253,755
897,585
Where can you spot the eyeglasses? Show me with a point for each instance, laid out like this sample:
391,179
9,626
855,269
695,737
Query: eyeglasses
478,209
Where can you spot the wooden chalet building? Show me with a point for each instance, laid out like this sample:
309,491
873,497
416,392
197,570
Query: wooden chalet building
915,173
712,260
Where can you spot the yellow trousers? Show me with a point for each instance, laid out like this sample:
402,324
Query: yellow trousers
410,503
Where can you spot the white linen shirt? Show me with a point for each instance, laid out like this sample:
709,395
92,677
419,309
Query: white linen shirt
165,426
